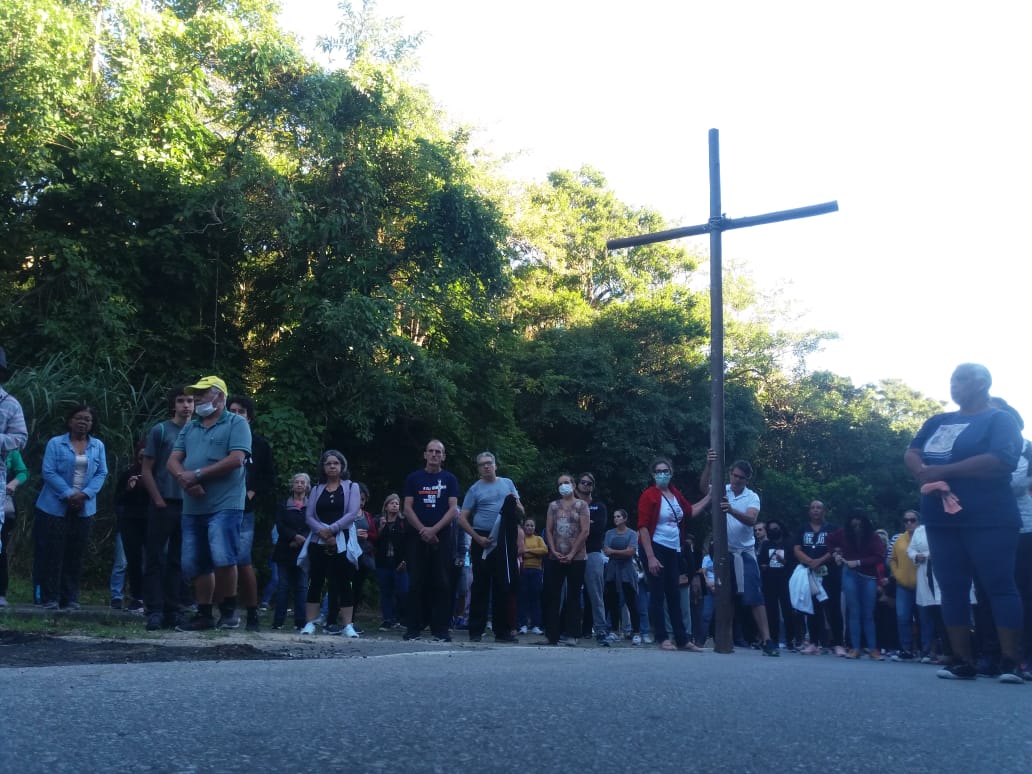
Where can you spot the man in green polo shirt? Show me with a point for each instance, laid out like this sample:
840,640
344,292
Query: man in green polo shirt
208,462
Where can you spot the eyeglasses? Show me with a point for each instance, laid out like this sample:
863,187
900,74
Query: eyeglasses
586,483
661,470
910,521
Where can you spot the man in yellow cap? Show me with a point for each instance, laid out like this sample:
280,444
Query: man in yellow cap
208,462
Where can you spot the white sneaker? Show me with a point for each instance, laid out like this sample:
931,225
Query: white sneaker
612,637
523,630
647,639
308,628
536,630
349,631
636,639
490,626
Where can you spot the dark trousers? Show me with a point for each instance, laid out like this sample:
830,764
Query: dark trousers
666,588
832,583
429,570
1023,577
487,586
134,534
612,596
779,605
289,576
162,551
65,539
5,537
572,574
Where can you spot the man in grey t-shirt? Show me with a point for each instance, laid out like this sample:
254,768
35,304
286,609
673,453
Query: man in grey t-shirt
163,543
481,512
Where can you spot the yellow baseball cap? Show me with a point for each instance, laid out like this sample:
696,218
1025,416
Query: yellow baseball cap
206,383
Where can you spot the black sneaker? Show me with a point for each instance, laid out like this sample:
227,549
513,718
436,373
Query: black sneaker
602,640
116,604
903,655
385,626
476,638
506,638
959,671
770,648
442,637
135,606
411,635
253,626
198,623
153,622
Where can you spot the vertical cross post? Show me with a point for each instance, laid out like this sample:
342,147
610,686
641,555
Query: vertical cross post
715,226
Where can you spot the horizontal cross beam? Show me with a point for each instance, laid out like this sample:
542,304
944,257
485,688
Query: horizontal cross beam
722,224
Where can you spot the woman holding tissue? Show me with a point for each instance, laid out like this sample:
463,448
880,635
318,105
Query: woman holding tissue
963,460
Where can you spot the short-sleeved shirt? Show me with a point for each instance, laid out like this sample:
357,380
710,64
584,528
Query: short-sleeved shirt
953,437
485,501
620,570
430,493
740,536
205,446
598,515
160,441
814,544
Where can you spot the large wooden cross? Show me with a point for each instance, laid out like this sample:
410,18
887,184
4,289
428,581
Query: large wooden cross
715,226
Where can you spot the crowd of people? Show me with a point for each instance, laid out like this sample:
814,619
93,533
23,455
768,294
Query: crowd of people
948,589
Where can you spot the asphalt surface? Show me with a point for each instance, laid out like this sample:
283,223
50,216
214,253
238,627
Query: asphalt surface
380,704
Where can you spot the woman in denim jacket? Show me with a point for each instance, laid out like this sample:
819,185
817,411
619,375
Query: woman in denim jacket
74,469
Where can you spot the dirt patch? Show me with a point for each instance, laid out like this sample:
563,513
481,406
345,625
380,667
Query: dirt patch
30,649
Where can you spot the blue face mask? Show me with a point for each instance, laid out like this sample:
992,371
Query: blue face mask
662,479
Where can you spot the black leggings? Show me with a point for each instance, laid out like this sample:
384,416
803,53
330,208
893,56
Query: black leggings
335,570
630,596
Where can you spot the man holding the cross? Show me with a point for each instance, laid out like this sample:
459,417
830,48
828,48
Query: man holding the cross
741,506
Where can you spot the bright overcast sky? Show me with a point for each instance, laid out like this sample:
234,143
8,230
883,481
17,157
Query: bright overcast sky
911,114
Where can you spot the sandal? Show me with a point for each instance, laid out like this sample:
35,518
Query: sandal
667,645
690,647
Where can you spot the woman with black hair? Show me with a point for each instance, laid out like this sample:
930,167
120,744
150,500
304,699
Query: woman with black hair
74,470
861,554
330,513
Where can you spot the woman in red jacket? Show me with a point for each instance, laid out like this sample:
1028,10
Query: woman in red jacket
662,514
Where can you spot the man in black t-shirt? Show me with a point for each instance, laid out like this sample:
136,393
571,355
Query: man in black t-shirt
594,572
430,502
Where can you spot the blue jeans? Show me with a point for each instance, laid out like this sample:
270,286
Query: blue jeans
118,569
906,603
709,606
861,596
394,588
531,584
289,575
210,540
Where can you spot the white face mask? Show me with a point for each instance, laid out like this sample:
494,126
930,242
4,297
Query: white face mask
205,409
565,489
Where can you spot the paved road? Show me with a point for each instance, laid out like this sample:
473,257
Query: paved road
461,708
